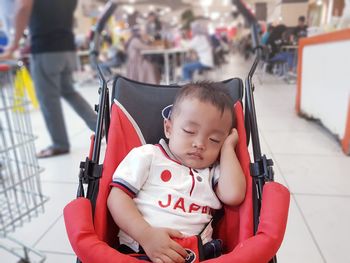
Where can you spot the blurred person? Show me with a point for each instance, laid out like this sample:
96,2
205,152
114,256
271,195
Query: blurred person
284,55
299,31
114,57
155,35
247,46
274,52
276,38
218,47
52,61
6,15
266,35
225,43
263,41
288,56
184,38
224,38
121,45
200,44
137,66
153,26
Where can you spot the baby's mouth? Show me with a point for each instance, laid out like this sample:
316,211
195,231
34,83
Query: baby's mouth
196,155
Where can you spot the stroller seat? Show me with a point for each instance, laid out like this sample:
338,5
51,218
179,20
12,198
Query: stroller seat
135,120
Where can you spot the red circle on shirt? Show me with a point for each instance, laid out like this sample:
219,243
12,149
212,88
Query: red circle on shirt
166,175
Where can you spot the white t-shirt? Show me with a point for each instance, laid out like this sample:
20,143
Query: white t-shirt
167,193
202,46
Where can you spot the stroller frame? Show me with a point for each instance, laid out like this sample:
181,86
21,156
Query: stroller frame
91,170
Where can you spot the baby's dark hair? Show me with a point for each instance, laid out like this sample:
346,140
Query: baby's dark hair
205,91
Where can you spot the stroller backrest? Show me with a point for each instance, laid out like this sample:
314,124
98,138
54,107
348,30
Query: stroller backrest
144,102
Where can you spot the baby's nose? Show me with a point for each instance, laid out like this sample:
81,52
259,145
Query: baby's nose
199,144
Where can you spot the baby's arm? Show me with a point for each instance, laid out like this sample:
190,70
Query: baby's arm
156,242
231,184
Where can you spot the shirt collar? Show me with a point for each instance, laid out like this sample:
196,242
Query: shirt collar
165,146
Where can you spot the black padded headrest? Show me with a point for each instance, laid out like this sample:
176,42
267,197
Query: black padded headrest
144,102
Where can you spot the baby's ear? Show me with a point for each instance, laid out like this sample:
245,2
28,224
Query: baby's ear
167,128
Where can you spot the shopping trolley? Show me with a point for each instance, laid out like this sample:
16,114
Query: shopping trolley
21,197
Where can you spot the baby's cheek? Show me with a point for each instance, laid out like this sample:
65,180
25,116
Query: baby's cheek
216,155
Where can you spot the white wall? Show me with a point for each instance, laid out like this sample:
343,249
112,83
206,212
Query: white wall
273,12
291,12
325,86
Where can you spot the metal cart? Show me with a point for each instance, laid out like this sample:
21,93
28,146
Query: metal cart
21,197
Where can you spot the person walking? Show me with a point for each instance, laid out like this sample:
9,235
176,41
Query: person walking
53,60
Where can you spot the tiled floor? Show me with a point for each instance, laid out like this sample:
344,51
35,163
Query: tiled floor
307,159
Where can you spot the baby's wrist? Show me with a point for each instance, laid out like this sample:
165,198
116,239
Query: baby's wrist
143,235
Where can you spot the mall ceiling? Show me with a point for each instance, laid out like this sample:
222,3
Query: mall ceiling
174,5
216,8
218,11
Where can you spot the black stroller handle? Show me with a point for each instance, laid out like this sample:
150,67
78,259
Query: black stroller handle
253,22
103,114
251,123
103,106
91,169
242,8
95,38
261,169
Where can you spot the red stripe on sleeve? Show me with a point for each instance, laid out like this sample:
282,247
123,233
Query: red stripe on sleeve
124,189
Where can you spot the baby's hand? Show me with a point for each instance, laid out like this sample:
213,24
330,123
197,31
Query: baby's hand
231,140
159,246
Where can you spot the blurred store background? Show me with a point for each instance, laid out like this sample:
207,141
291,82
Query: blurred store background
302,99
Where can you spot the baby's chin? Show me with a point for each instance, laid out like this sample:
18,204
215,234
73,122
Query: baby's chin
197,164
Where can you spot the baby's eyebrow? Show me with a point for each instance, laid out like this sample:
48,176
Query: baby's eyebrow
192,123
216,131
220,132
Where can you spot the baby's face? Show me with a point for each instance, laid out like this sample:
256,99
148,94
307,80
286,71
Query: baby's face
196,132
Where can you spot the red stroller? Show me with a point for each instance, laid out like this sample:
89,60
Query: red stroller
251,232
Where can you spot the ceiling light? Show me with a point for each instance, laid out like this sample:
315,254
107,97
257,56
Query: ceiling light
129,9
206,2
225,2
214,15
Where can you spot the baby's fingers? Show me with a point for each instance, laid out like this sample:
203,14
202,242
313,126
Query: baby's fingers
234,131
178,249
174,233
164,258
175,256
